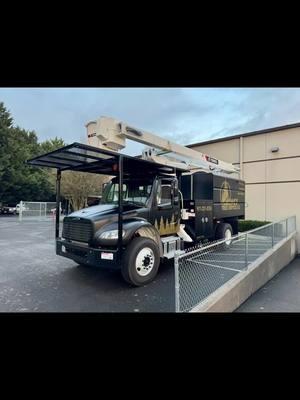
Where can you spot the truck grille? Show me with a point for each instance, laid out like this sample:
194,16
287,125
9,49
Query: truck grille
80,230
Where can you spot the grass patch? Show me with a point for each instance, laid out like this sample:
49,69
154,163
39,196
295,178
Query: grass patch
247,225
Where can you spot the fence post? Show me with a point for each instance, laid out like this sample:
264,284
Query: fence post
176,268
273,235
286,227
246,250
21,210
40,211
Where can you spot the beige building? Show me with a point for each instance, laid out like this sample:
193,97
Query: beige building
269,162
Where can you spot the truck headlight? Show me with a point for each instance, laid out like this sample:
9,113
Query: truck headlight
111,234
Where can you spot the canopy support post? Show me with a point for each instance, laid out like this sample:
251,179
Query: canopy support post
120,203
57,214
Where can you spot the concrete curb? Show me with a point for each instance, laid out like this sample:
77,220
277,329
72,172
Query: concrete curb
231,295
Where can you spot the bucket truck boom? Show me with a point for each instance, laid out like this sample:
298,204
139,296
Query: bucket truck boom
111,134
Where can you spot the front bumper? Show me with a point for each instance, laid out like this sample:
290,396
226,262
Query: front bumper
102,258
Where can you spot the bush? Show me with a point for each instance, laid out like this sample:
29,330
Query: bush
247,225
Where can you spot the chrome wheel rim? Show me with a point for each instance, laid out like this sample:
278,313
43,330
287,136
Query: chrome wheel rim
228,237
144,262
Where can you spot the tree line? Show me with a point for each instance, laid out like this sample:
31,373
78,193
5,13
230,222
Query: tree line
19,181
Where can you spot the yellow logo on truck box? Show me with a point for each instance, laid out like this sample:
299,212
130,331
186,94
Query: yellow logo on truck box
229,203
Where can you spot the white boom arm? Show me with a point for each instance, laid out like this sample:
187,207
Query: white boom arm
108,133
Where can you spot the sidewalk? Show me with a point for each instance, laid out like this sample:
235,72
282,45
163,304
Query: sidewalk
280,294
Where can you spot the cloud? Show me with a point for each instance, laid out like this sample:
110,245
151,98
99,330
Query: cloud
182,115
64,112
257,109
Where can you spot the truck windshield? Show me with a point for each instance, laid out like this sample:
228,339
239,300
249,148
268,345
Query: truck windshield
133,192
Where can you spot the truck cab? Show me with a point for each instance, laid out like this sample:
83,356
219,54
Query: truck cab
158,219
155,200
151,219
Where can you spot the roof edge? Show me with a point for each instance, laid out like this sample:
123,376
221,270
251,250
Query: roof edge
276,128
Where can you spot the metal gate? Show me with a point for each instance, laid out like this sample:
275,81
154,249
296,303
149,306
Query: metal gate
201,271
34,210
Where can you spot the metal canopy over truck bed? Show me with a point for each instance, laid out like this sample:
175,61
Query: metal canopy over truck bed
84,158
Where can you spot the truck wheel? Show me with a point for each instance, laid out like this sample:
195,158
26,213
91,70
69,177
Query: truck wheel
224,231
141,261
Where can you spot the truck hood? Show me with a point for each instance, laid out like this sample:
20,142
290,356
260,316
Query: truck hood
99,216
101,210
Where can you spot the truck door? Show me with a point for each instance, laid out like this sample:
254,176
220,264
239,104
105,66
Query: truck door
166,208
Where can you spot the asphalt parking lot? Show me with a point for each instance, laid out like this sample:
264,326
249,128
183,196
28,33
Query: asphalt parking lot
34,279
280,294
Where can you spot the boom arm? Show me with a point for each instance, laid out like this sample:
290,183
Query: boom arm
108,133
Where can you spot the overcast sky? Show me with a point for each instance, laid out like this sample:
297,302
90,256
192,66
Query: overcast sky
184,115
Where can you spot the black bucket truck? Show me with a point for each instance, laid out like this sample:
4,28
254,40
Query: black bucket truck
171,197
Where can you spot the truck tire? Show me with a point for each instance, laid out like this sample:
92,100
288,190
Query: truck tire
140,261
224,231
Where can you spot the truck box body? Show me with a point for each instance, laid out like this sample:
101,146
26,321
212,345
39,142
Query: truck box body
212,198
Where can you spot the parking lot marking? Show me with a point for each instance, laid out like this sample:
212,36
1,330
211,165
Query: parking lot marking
216,266
254,244
222,254
237,254
224,261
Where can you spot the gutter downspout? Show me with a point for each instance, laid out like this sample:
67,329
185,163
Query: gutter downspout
241,160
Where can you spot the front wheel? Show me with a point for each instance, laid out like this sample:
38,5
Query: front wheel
141,261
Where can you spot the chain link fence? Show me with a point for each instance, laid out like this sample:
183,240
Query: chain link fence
34,210
201,271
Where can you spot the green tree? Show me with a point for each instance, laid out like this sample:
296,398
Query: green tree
51,145
19,181
78,186
5,123
6,120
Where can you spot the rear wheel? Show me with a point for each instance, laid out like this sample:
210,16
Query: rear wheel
224,231
141,261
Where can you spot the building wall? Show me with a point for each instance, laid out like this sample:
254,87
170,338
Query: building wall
272,179
226,151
